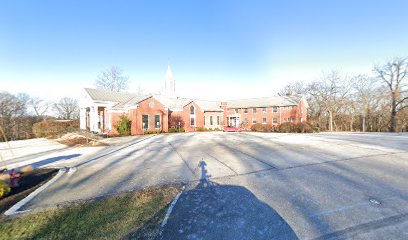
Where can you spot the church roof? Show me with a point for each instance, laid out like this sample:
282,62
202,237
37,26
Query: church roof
109,96
209,106
124,99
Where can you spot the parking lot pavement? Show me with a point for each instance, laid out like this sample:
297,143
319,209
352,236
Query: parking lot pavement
316,185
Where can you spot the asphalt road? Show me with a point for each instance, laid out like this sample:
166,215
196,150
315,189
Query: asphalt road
258,186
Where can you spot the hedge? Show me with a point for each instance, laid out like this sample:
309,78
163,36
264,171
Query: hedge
54,128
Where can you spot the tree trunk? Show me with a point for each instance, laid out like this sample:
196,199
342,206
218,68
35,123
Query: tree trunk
330,121
364,122
393,119
351,124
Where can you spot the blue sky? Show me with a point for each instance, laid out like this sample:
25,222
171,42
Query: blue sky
217,49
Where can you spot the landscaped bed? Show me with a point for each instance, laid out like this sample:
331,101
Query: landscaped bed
135,215
29,181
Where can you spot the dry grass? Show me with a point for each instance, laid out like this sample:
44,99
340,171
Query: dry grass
78,140
130,215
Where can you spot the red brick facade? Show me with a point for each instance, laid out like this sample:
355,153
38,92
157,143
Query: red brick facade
196,113
150,114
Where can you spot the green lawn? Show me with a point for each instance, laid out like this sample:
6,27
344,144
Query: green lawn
130,215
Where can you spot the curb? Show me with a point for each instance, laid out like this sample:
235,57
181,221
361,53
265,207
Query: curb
169,210
14,209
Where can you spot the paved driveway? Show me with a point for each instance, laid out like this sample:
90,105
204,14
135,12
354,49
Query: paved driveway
311,185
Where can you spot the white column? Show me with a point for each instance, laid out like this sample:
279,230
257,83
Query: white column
94,119
82,118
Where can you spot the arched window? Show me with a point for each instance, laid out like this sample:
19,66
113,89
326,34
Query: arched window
192,110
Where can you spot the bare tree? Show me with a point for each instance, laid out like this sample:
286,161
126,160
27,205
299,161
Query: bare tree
294,88
67,108
39,106
112,80
394,75
12,109
330,93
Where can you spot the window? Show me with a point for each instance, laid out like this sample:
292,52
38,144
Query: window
275,120
192,112
204,120
275,109
157,121
211,120
236,110
253,120
192,121
245,110
264,110
218,120
285,120
263,120
145,121
253,110
292,119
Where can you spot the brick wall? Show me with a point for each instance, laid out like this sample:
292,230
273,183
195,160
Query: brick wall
272,116
150,107
199,117
213,115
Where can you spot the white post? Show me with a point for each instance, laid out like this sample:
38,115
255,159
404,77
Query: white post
82,118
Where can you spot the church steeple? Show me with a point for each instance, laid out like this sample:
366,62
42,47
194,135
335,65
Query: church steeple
169,84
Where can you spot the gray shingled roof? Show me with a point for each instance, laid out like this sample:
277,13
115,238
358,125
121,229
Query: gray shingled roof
264,102
174,104
125,99
133,101
103,95
209,106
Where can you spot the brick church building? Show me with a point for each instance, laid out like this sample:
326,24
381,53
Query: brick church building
100,110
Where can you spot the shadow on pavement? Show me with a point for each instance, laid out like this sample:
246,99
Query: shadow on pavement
53,159
214,211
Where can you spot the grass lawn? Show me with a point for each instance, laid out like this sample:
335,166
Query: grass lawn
134,215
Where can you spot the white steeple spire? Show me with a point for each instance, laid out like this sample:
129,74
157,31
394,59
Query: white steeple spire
169,84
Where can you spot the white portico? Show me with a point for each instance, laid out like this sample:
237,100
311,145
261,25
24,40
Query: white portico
234,120
96,107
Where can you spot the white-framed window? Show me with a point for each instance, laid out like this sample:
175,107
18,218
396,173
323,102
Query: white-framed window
157,121
218,120
275,120
263,120
275,109
236,110
192,116
253,120
192,121
211,120
145,121
245,110
264,110
253,110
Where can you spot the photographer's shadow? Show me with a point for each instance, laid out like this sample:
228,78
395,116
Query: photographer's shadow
214,211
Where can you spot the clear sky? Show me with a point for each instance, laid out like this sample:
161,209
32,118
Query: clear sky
217,49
